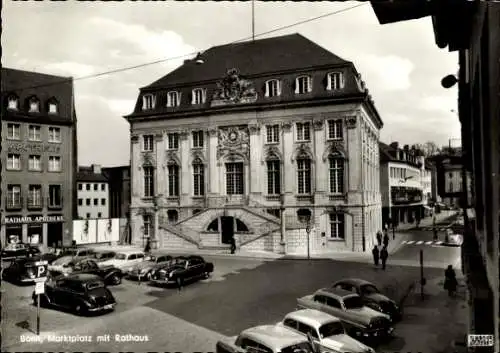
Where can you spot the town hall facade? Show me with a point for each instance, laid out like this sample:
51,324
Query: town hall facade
244,140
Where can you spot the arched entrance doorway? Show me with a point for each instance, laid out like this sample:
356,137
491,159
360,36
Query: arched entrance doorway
227,226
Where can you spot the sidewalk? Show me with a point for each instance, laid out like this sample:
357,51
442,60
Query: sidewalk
436,324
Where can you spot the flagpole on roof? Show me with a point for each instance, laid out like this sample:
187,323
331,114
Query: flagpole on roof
253,20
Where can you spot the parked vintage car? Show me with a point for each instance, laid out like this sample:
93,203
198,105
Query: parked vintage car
16,250
360,322
143,269
182,268
371,295
327,331
109,274
61,264
23,270
104,255
453,238
78,253
81,293
265,338
125,260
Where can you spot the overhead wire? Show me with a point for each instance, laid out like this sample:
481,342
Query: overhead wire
128,68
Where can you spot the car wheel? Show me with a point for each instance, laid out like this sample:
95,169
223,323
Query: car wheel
206,275
116,279
80,309
148,276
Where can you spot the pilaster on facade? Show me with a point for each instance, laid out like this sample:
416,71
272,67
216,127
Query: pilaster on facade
255,159
213,161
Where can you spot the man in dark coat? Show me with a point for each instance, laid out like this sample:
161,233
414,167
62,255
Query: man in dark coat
379,238
376,255
450,281
233,245
386,240
383,256
147,248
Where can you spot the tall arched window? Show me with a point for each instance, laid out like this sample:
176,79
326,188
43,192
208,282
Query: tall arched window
198,178
273,177
336,174
304,175
173,179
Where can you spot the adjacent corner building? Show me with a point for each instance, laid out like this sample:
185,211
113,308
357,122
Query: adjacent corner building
249,141
39,158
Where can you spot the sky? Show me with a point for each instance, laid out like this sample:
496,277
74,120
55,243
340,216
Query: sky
400,63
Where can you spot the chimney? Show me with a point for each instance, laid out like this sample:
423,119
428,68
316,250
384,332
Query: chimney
394,145
96,168
406,148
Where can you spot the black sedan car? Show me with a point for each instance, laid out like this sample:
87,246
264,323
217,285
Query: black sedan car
109,274
17,250
23,270
81,293
371,296
182,269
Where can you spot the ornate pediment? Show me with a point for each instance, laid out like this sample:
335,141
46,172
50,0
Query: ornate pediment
172,157
148,160
198,156
234,140
334,149
233,89
271,153
351,121
302,151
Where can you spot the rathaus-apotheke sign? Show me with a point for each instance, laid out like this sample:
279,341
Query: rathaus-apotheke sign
33,219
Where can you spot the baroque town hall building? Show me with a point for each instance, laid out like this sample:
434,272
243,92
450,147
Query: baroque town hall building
238,142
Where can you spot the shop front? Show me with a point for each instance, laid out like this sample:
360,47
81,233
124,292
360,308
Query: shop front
13,233
34,229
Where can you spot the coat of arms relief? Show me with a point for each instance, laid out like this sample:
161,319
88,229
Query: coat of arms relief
233,141
233,89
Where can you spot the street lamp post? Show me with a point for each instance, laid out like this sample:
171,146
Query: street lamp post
305,217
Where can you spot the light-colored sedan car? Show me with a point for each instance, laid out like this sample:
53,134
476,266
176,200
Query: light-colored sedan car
326,330
143,270
61,265
125,260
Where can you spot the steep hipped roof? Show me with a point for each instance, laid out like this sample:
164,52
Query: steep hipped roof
289,52
385,152
87,174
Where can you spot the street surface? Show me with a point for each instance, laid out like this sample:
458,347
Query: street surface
242,293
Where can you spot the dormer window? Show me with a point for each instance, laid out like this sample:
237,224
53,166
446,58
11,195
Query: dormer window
34,105
13,103
173,99
52,108
303,85
148,102
199,96
335,81
273,88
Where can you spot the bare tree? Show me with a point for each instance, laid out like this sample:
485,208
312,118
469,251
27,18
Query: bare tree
430,148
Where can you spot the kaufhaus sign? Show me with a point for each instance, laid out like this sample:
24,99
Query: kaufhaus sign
33,219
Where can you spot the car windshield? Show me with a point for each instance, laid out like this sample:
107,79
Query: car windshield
94,285
69,253
353,303
104,255
120,256
331,329
369,289
62,261
303,347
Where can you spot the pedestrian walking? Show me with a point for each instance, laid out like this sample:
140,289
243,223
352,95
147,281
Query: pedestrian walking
450,281
379,238
147,248
386,240
180,283
233,245
383,256
376,255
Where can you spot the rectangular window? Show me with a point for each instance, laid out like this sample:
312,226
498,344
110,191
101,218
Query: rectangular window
272,133
335,81
173,141
13,131
198,139
96,202
55,197
52,108
149,182
148,143
146,222
54,134
234,178
103,187
87,202
80,202
99,214
35,196
335,129
173,180
13,161
272,88
80,186
87,215
87,186
96,187
148,102
13,196
303,131
103,202
173,99
336,175
34,133
199,179
304,176
303,85
54,164
198,96
273,178
337,226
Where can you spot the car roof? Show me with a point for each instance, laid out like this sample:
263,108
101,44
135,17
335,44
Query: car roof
336,292
354,281
311,317
105,251
273,336
128,252
83,277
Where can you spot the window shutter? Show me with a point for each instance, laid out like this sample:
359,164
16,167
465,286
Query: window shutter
278,83
309,83
266,89
179,96
296,85
153,101
342,80
143,102
193,96
327,81
204,95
